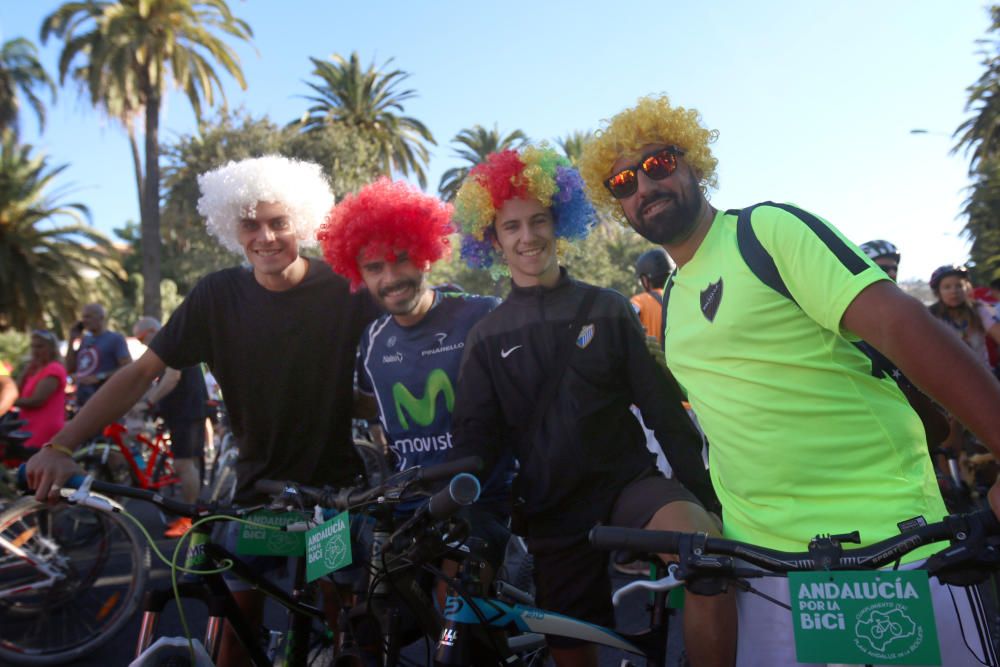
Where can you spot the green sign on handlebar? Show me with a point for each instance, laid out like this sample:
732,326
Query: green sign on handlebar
264,541
883,617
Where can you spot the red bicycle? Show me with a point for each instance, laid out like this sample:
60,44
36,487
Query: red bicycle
142,458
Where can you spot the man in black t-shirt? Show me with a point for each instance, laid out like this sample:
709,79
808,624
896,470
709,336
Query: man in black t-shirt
279,335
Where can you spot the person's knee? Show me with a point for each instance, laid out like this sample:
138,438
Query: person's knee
685,517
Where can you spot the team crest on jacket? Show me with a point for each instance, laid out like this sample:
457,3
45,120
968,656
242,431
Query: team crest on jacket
711,297
586,335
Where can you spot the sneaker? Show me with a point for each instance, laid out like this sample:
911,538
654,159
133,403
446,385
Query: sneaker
177,528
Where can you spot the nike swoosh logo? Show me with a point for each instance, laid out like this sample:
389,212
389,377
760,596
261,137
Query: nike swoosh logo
506,353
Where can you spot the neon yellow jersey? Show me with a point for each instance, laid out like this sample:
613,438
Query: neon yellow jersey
803,439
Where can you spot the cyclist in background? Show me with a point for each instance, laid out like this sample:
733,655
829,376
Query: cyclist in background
179,397
653,267
98,356
804,438
548,377
279,335
970,319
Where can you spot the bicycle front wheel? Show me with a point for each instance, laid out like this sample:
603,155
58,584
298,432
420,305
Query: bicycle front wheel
70,578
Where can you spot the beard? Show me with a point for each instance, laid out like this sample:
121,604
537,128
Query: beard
401,307
675,223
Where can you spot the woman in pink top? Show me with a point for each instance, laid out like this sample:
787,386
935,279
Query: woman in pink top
43,390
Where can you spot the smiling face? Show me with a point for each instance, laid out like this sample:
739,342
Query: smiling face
526,237
397,286
268,238
662,211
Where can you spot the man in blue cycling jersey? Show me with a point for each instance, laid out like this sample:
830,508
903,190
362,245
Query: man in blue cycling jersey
761,314
387,237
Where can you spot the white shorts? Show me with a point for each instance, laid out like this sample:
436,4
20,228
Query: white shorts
766,636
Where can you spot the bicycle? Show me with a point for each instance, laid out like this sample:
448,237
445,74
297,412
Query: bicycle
711,564
478,626
124,456
209,559
70,578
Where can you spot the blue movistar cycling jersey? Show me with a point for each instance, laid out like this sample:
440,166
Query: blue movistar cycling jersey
412,372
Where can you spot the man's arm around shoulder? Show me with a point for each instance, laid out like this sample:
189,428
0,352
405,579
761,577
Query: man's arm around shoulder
50,467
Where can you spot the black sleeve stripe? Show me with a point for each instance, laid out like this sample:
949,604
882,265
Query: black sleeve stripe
843,252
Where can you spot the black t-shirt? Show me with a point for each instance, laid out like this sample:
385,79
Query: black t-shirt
284,362
186,401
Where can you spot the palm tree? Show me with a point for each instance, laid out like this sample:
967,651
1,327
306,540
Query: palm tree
475,143
125,54
44,263
572,145
20,74
980,134
370,100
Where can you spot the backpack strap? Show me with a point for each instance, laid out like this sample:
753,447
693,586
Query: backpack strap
664,302
756,255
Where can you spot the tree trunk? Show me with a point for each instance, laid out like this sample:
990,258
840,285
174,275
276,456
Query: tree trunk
150,200
137,165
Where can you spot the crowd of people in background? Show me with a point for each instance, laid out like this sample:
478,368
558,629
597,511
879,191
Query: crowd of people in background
768,315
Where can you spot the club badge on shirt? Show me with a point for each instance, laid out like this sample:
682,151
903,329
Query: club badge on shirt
586,335
711,297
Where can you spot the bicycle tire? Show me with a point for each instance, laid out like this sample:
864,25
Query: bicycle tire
224,486
103,562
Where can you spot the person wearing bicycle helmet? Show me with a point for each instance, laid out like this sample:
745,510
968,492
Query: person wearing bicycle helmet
761,316
549,376
652,267
972,320
885,255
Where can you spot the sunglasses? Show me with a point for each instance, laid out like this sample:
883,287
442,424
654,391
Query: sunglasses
657,165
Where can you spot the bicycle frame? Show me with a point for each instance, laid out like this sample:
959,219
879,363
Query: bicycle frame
157,447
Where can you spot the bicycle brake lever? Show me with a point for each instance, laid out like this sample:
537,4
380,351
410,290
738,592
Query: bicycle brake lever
82,496
667,583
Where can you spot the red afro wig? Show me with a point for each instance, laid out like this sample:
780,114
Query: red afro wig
385,219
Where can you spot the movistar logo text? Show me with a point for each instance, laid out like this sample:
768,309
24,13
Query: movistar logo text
422,410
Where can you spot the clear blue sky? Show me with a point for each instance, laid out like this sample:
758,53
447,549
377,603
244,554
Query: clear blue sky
814,101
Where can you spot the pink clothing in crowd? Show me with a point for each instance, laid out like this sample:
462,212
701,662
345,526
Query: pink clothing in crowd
46,420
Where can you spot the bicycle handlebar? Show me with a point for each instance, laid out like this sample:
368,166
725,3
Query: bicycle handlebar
825,552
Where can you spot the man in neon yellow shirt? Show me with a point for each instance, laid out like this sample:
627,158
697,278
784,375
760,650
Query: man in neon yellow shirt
805,439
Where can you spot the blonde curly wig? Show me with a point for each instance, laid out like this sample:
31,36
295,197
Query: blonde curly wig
652,121
232,191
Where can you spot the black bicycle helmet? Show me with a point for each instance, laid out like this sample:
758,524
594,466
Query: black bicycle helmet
880,248
942,272
654,263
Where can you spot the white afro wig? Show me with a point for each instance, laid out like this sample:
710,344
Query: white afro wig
231,192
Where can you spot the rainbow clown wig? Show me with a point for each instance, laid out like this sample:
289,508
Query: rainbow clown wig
535,173
383,220
651,121
232,191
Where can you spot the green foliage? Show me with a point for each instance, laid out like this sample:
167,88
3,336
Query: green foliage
20,75
50,257
125,55
369,102
572,145
979,138
189,252
14,346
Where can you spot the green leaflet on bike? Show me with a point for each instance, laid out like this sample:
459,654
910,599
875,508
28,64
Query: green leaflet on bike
864,617
328,547
256,541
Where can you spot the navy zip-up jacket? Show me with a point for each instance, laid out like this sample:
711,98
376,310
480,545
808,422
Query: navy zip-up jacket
589,445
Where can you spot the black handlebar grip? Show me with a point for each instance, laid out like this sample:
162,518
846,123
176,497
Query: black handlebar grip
610,538
468,464
22,480
462,490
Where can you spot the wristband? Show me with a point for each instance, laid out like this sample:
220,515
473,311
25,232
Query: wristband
59,448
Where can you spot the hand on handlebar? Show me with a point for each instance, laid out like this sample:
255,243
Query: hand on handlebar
47,471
